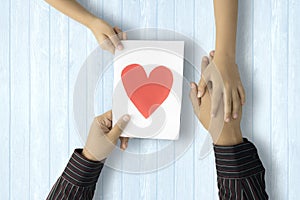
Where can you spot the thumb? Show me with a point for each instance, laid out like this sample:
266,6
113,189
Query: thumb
202,82
193,97
118,128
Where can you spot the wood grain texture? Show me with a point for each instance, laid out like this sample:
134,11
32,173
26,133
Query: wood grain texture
112,13
165,176
39,96
131,186
42,52
262,67
279,102
244,59
184,174
293,150
204,172
59,92
5,100
20,106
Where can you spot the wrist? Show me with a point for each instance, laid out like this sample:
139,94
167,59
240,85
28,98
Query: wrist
93,23
88,155
223,56
229,136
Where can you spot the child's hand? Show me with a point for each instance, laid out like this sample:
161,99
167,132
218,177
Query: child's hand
224,76
107,37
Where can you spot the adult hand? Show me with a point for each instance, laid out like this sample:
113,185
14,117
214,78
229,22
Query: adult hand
103,137
221,133
224,77
107,37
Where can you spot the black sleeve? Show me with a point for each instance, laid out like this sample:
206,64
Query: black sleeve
241,174
78,181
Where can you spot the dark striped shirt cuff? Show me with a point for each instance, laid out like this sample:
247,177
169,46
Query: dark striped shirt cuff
237,161
81,171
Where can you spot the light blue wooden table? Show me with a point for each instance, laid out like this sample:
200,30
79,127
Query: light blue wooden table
42,51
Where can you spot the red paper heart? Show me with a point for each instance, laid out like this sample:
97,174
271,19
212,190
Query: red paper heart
147,94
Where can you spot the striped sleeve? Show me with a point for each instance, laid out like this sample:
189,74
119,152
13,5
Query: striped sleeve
78,181
240,172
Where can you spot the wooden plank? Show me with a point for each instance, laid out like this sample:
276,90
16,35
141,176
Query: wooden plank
131,182
20,101
293,176
39,96
184,167
262,68
148,180
111,185
77,56
59,69
279,100
165,176
205,179
99,104
244,57
5,100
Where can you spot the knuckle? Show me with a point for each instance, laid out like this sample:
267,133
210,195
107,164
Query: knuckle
228,104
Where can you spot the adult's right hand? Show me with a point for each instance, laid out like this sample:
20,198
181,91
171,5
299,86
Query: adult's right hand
103,137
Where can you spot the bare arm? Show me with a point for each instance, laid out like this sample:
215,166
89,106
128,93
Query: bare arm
226,12
107,37
224,73
74,10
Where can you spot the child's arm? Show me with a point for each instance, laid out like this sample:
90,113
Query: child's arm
231,90
226,23
104,33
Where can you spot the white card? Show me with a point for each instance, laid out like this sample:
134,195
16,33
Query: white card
148,79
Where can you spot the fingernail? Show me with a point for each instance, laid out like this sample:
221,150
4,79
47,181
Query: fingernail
235,116
199,94
192,85
120,46
227,119
126,118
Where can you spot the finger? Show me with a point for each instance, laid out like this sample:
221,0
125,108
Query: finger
115,40
106,44
201,87
193,97
104,121
116,131
124,142
227,98
202,82
118,32
204,63
124,35
211,54
216,94
242,94
107,115
235,104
